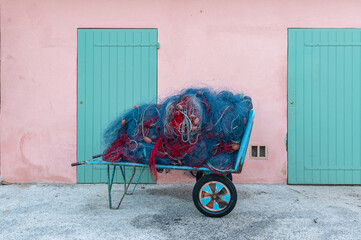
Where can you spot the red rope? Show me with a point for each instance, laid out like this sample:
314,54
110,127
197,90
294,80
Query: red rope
153,169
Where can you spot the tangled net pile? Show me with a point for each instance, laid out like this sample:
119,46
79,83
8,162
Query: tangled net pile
197,128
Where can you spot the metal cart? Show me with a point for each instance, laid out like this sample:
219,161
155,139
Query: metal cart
213,195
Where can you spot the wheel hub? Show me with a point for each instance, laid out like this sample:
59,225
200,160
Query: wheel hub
214,196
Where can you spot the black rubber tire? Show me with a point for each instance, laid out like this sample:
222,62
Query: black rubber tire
229,176
200,174
224,180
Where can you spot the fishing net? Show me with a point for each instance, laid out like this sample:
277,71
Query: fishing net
196,128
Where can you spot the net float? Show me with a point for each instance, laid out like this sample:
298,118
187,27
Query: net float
235,146
199,93
136,106
147,140
192,116
180,107
123,122
196,121
194,128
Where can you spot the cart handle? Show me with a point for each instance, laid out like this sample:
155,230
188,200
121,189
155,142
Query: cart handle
96,156
78,163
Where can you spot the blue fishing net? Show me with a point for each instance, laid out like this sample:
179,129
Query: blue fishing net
196,128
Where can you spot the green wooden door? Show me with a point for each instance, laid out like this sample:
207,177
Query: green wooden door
324,106
117,68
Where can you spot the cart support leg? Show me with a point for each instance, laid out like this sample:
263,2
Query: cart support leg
125,185
110,184
136,183
122,170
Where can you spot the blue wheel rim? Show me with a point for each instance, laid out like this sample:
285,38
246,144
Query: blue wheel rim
214,196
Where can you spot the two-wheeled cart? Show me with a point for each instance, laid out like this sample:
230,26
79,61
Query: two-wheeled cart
213,195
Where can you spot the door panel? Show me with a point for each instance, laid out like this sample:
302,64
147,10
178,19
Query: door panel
117,68
324,106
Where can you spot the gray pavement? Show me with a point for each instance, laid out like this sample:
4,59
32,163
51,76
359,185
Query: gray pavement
263,211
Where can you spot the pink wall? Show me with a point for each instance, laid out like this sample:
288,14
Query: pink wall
240,45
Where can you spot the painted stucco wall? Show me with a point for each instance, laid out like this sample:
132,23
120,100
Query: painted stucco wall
238,45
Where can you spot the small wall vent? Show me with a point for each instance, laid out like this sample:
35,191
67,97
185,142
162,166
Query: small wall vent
259,152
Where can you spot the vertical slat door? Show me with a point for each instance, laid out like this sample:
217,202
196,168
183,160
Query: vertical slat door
324,106
117,68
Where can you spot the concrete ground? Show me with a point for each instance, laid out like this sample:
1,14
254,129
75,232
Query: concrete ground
263,211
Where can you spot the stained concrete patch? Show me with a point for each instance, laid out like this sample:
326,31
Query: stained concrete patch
263,211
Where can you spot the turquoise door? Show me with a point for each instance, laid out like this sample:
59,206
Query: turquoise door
324,106
117,68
